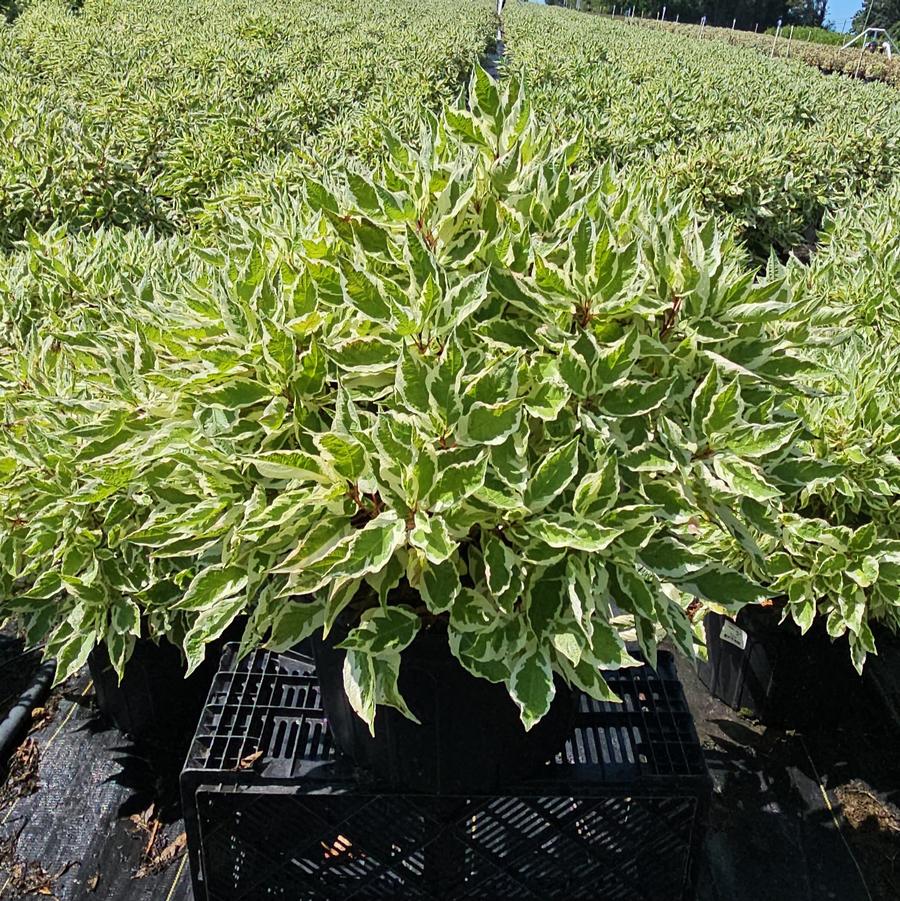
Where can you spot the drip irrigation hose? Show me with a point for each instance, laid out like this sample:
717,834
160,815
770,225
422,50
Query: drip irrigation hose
15,724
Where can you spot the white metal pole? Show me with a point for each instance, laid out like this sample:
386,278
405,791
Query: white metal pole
862,48
790,38
775,41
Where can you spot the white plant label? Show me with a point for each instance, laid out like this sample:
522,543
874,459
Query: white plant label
733,635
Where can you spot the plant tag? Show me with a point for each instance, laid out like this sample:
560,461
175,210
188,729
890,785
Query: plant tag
733,634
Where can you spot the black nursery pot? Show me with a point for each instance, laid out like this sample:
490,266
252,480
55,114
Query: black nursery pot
155,704
470,739
766,668
743,660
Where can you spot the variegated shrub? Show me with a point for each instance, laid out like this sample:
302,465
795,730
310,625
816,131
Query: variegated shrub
128,113
834,552
474,389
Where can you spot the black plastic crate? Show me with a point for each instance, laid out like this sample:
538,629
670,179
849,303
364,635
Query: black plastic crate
619,814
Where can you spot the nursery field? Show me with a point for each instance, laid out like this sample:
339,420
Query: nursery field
129,113
823,50
535,335
767,144
163,163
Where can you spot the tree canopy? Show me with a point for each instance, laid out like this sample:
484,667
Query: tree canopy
748,14
884,14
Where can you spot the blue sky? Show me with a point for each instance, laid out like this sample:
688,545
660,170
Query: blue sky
838,10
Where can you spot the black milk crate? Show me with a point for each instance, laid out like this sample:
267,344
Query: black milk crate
272,811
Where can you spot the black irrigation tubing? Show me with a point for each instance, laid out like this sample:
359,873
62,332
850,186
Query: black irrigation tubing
15,724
